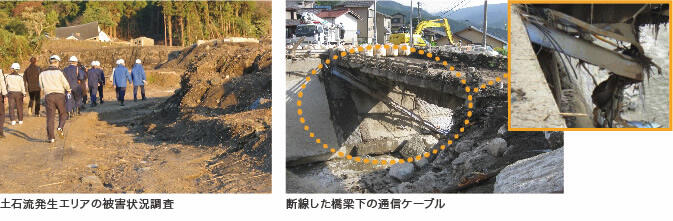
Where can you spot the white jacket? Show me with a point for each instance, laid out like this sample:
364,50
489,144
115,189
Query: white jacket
15,83
53,81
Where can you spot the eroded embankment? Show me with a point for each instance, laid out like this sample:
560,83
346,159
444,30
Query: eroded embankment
224,102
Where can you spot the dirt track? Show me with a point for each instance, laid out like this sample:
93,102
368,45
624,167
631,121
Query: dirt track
102,152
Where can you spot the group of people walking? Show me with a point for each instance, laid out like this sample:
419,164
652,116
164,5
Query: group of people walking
64,90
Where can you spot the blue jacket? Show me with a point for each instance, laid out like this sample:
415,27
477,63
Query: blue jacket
120,76
95,77
73,74
138,75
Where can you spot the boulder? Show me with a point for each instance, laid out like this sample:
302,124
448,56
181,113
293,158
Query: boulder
412,147
433,182
478,161
496,146
401,172
464,146
539,174
422,162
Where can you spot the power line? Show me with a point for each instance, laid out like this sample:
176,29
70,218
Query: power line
448,5
449,12
458,7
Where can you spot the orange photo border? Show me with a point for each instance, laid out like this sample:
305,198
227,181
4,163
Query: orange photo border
509,64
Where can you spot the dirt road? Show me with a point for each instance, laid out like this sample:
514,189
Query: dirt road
103,151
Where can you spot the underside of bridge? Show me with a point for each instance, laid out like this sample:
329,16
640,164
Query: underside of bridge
596,65
387,108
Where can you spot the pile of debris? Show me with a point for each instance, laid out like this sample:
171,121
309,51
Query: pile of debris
464,60
476,161
224,102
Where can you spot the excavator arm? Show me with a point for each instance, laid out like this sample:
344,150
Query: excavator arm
436,23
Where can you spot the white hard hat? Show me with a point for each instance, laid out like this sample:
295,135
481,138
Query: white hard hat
93,63
120,61
138,61
55,57
73,59
16,66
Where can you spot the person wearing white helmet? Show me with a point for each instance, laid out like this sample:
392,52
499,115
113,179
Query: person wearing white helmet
56,89
139,80
16,90
94,81
75,76
120,76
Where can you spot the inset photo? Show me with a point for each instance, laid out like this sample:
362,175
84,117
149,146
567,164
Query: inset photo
392,97
590,67
135,97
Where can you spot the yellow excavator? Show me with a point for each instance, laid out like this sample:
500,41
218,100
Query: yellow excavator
400,38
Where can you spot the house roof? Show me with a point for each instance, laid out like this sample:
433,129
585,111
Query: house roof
398,13
384,15
356,4
81,32
479,30
337,13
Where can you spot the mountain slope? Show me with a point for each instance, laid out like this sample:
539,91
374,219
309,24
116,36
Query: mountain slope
497,15
457,20
391,7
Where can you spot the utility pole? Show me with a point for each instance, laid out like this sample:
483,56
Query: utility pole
485,21
411,23
419,10
376,38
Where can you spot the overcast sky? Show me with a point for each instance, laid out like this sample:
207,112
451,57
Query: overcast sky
434,6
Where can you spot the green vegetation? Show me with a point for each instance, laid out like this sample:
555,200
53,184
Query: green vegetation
502,51
25,25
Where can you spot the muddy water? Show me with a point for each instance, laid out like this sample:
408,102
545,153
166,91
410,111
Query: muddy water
656,96
653,104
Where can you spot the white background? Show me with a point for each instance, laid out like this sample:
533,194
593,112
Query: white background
608,176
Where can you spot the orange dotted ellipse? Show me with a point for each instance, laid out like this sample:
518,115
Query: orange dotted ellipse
430,56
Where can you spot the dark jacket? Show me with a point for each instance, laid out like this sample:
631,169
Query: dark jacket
73,73
95,77
32,78
83,82
102,77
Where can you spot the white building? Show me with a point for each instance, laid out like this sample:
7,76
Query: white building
346,19
89,31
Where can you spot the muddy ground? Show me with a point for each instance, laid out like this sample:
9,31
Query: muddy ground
205,131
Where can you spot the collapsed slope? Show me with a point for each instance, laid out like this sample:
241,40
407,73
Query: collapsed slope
224,102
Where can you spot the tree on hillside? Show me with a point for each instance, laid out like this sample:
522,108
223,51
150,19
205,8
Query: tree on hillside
66,10
168,10
35,20
51,19
102,15
131,9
